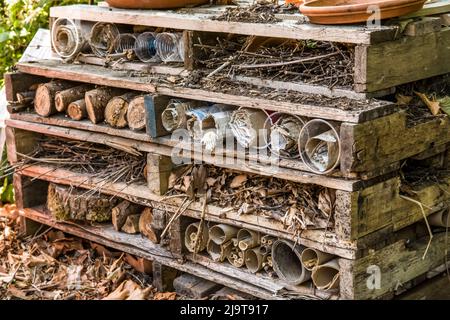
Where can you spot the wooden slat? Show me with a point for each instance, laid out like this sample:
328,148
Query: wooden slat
436,7
123,79
402,61
203,22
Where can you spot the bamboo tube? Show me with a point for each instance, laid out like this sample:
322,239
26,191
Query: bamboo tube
77,110
311,258
236,256
96,101
326,276
286,260
136,113
320,145
219,252
248,239
440,219
191,235
44,102
221,233
116,110
254,259
65,97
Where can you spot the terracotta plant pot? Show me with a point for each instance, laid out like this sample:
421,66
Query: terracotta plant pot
354,11
154,4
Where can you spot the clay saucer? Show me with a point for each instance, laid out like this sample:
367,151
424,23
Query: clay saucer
154,4
354,11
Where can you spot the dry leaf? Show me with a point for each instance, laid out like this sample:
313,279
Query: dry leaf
238,181
139,264
432,105
403,100
165,296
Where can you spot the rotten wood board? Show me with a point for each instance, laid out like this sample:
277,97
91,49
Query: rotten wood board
147,83
203,22
238,164
401,61
132,244
319,239
394,265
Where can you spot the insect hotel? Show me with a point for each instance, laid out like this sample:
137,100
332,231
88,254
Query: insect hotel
243,146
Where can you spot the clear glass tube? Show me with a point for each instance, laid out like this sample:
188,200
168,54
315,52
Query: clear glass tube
170,47
125,42
145,47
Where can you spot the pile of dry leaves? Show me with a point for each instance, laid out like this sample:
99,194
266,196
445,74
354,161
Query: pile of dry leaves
298,206
53,265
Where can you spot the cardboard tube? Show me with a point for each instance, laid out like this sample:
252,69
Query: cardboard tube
254,259
320,145
286,260
249,127
221,233
190,237
440,218
311,258
248,239
284,133
219,252
326,276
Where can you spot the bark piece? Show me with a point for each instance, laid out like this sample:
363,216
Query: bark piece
146,228
136,114
116,110
66,97
96,101
77,110
44,102
122,211
131,224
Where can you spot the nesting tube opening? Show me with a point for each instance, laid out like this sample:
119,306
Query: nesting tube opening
286,260
221,233
440,218
254,260
145,47
170,47
326,276
68,38
311,258
125,42
247,239
320,146
190,237
219,252
174,115
250,128
284,133
103,38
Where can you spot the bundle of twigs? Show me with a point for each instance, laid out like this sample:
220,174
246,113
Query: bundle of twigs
298,206
106,164
323,63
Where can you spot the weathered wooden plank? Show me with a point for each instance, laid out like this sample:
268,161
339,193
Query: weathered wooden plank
149,83
158,172
203,22
163,277
387,269
387,140
405,60
16,82
433,289
154,106
194,287
423,26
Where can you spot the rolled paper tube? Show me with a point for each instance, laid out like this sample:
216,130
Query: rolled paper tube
311,258
248,239
320,145
440,219
286,260
103,38
326,276
254,260
170,47
249,127
284,135
190,237
219,252
70,37
221,233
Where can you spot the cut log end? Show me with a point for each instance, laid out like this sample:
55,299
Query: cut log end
136,114
65,97
44,102
96,101
122,211
77,110
146,226
131,224
116,110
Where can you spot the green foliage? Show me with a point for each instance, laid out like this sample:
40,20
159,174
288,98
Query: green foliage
19,21
7,190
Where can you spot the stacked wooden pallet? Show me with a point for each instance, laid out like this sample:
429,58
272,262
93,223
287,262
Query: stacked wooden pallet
376,240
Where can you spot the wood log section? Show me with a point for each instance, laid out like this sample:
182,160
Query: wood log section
131,224
136,114
44,102
66,203
77,110
96,101
66,97
26,97
116,110
122,211
146,226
